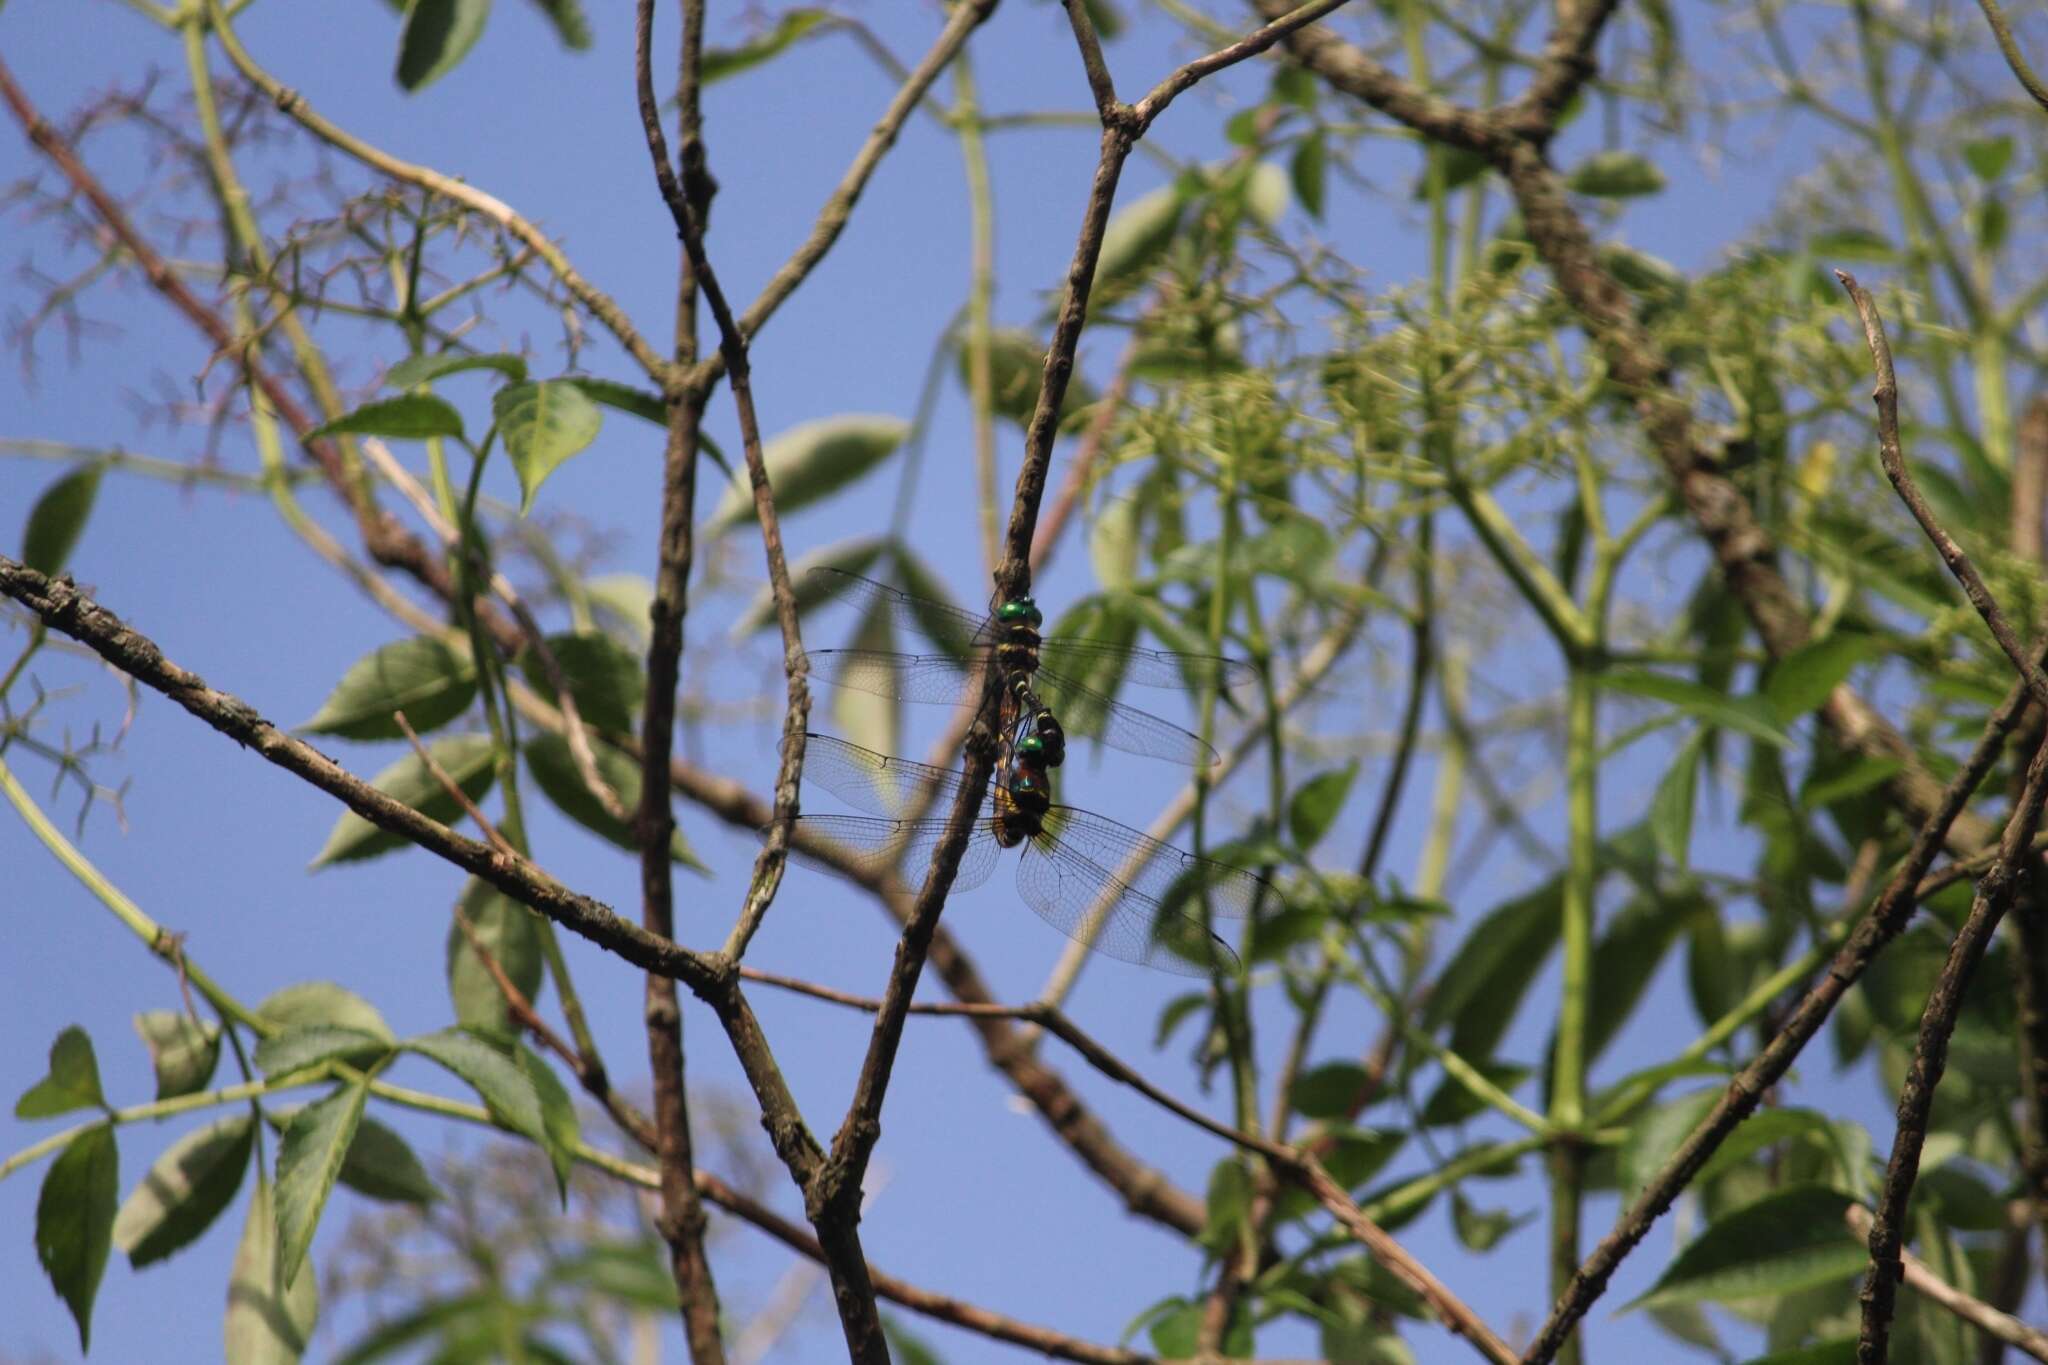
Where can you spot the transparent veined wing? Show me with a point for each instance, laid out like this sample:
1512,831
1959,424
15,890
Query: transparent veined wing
876,783
1089,713
907,677
865,848
1085,903
1160,871
945,625
1163,668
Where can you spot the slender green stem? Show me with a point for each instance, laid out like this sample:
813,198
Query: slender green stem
981,286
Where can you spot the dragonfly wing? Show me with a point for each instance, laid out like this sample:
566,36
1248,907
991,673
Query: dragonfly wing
862,848
876,783
1087,711
907,677
1167,874
942,623
1146,667
1088,905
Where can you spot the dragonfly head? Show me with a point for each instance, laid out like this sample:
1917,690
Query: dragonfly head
1020,611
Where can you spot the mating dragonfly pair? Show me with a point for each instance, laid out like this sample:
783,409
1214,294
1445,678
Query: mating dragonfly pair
1100,882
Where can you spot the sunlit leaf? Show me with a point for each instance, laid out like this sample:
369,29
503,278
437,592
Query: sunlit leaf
811,461
182,1052
380,1165
543,424
1751,716
409,417
1616,175
311,1045
507,931
322,1002
467,759
309,1157
560,1130
607,679
642,403
720,63
269,1322
494,1076
1792,1239
421,676
423,369
853,555
185,1190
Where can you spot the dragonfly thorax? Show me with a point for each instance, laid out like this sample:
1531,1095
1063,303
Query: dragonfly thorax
1021,803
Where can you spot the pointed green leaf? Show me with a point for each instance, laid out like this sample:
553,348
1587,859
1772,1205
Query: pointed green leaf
309,1156
1113,544
268,1322
1616,175
185,1190
1671,806
322,1002
560,1131
1751,716
1016,368
1656,1135
864,715
1330,1091
184,1053
494,1076
438,34
543,424
1988,156
58,519
1791,1239
1801,681
409,416
297,1049
1315,803
572,26
1480,1229
641,403
607,679
75,1221
554,771
1307,169
465,758
422,369
925,586
380,1165
811,461
1838,1351
507,931
722,62
73,1081
1134,241
422,677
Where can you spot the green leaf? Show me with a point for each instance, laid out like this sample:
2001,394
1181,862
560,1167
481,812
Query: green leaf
1113,544
73,1082
811,461
311,1045
190,1185
1177,1332
438,34
904,1344
926,586
1616,175
543,424
1177,1010
1016,367
1308,170
1988,156
1853,244
507,931
866,714
465,758
571,25
1993,223
1135,240
1329,1091
1801,681
1461,168
1481,1229
812,590
642,403
1315,803
1859,774
494,1076
1671,807
606,678
1654,1136
422,677
322,1002
380,1165
422,369
409,416
722,62
269,1320
1484,982
184,1053
309,1156
560,1131
1838,1351
554,771
1751,716
1229,1204
1267,193
624,597
75,1221
58,518
1789,1240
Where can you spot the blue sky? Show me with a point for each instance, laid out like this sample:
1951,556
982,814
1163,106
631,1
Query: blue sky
979,1203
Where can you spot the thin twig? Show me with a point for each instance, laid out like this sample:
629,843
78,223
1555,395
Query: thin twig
2014,58
2002,1327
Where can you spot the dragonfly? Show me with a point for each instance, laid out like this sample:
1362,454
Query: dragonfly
1039,672
1097,881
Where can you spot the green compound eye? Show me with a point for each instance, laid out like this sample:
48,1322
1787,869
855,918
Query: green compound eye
1017,609
1031,744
